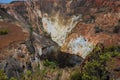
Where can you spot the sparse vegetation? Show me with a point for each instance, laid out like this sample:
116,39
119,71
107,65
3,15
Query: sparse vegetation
76,75
59,75
12,78
50,64
2,75
95,67
43,74
3,31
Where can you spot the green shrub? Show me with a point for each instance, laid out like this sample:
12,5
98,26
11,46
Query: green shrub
28,73
76,75
2,75
31,29
95,67
94,71
3,31
12,78
50,64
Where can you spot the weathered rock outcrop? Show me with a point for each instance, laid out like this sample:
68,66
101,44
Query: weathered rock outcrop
64,31
97,21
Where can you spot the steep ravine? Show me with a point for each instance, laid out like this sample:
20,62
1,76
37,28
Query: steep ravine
58,22
75,28
60,28
60,31
74,31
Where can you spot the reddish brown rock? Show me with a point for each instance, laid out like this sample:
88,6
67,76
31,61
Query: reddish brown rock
15,34
96,25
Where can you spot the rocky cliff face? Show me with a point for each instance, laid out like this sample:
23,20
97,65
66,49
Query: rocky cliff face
62,30
76,25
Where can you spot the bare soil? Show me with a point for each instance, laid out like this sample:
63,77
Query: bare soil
15,34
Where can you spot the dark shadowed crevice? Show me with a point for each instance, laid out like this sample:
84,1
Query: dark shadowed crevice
62,59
